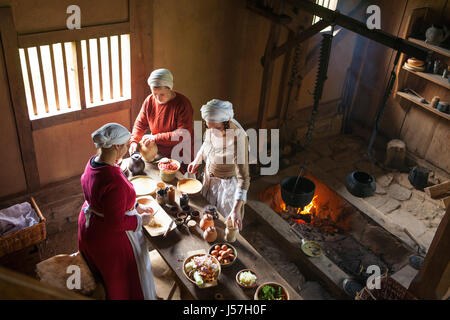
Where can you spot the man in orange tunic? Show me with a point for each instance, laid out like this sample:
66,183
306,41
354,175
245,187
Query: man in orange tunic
169,116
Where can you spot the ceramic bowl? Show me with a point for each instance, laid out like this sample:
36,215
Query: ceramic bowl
224,265
273,284
243,285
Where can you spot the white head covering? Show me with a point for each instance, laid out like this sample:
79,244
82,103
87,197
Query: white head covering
160,78
110,134
219,111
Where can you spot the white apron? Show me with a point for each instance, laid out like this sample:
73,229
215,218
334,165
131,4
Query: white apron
141,253
220,192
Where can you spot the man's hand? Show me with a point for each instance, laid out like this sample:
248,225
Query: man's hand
147,139
133,148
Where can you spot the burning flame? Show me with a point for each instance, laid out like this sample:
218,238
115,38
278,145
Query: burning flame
306,210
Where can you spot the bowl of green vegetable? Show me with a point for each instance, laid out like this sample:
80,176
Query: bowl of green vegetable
271,291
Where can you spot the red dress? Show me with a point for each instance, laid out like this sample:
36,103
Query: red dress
163,120
104,243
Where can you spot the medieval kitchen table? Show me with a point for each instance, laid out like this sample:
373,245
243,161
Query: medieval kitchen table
175,246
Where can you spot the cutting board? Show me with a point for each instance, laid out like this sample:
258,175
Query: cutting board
160,217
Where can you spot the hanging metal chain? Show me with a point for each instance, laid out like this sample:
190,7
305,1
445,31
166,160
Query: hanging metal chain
325,51
324,58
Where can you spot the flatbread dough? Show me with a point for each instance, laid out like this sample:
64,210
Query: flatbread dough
189,186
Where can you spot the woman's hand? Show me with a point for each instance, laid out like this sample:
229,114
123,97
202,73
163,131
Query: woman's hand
193,167
141,209
146,218
236,220
147,139
133,148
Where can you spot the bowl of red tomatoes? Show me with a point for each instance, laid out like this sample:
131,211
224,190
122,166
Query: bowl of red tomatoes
168,169
225,253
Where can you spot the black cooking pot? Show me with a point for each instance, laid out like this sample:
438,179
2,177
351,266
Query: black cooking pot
360,184
301,196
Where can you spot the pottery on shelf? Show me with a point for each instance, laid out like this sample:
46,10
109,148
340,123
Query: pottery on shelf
207,221
210,234
436,34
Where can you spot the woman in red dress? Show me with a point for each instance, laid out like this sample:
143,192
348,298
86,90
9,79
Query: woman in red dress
169,116
110,224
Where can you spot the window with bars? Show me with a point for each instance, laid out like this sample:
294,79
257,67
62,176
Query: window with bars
330,4
54,86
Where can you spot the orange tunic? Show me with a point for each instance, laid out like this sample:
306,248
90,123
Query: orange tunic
163,120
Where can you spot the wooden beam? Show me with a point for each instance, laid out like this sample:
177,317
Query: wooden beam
305,35
334,17
433,279
55,82
445,202
111,91
85,33
268,69
438,189
30,80
8,37
100,73
281,19
66,74
17,286
41,74
284,88
47,122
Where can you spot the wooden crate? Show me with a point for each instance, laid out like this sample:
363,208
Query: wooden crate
26,237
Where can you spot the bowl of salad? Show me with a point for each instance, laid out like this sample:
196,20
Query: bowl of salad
247,278
202,270
168,168
271,291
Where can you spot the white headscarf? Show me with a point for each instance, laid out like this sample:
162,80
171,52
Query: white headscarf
219,111
160,78
110,134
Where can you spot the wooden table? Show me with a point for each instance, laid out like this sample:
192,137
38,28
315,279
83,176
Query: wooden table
175,246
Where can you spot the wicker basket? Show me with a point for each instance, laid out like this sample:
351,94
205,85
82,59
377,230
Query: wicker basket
390,290
26,237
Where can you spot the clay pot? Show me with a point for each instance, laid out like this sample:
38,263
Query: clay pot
210,234
207,221
148,152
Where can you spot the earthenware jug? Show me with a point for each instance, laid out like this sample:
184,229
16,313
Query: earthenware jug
207,221
435,35
210,234
148,152
136,164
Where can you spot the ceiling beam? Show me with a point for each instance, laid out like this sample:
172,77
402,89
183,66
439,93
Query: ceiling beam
335,17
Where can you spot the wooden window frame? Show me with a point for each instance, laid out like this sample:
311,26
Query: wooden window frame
76,36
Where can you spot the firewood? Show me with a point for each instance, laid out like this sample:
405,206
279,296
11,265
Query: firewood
438,189
445,203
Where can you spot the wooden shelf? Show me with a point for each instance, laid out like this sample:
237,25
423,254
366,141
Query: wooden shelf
436,78
434,48
416,100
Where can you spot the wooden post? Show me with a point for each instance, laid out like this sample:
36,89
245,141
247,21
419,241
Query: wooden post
268,69
8,35
433,279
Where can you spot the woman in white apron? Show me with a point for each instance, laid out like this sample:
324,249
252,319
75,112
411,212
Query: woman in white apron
110,233
225,152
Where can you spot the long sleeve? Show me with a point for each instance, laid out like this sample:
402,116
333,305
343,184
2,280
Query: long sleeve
141,124
242,172
184,117
114,209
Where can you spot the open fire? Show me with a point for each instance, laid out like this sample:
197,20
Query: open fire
326,211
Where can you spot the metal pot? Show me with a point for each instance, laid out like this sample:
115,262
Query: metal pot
301,196
418,176
360,184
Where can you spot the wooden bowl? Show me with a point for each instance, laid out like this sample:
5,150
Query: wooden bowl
274,284
224,265
192,187
243,285
207,284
